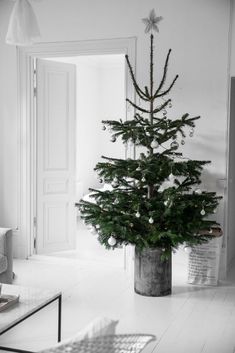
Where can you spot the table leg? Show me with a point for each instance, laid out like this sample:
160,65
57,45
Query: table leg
59,317
15,350
59,298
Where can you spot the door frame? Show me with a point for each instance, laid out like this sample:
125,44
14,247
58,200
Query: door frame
26,129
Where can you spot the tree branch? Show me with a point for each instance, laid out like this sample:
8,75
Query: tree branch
137,88
168,90
162,106
164,73
136,106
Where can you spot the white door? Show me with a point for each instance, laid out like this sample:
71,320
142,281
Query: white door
56,110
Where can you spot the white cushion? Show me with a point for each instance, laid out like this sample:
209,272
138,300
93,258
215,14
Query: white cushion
100,326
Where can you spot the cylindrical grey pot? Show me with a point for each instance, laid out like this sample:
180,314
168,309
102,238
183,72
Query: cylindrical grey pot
152,274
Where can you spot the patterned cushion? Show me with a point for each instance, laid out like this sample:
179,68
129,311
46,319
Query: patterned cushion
3,263
125,343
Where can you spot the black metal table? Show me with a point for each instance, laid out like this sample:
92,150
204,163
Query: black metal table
33,310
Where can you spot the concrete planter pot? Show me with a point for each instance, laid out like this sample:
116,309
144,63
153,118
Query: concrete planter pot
152,274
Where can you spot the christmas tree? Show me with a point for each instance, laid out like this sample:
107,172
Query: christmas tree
154,199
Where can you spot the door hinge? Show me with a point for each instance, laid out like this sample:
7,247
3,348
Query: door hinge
35,232
34,243
34,82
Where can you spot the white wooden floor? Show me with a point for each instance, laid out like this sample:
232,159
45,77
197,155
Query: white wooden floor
193,319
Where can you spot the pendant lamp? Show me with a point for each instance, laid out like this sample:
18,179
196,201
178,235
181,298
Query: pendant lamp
23,27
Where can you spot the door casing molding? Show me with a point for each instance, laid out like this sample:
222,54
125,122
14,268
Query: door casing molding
26,127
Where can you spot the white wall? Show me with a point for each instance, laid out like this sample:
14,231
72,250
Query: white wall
88,124
100,96
197,31
8,125
112,105
232,61
231,147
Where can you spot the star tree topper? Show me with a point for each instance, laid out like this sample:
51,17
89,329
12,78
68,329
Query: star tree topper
152,21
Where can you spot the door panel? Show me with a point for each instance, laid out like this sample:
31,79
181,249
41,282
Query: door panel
56,97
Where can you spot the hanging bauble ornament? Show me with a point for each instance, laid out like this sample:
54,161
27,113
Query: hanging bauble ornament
143,180
104,127
198,191
116,202
154,144
151,220
171,177
174,144
188,249
191,132
113,139
182,142
211,231
203,212
214,211
166,202
137,214
164,112
112,241
131,225
93,230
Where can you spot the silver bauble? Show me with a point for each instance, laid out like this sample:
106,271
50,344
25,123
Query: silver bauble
203,212
188,249
112,241
154,144
174,144
198,191
171,177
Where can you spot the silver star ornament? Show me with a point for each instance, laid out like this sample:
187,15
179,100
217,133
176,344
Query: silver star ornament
152,21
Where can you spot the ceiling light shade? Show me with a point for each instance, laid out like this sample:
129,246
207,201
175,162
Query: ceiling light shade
23,27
